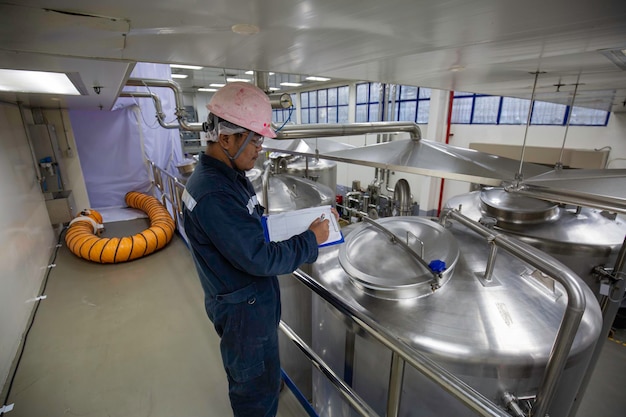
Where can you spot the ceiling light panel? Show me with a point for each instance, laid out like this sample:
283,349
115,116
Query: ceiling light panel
20,81
318,79
191,67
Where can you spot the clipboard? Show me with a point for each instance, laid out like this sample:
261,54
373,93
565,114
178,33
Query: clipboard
282,226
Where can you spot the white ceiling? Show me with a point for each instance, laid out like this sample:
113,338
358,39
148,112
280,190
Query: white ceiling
481,46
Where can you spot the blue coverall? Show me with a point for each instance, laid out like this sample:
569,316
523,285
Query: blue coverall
237,269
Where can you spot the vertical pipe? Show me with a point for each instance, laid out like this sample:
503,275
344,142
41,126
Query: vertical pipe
530,112
559,164
262,80
266,186
396,375
491,261
448,124
348,369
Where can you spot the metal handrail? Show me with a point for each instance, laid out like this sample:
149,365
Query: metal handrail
165,188
344,389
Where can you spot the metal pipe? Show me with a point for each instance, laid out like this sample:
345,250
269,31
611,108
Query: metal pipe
559,163
396,375
530,111
448,381
346,392
262,80
266,187
491,261
178,98
402,194
352,210
575,309
349,356
330,130
157,104
511,403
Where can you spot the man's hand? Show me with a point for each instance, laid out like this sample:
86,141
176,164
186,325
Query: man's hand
321,228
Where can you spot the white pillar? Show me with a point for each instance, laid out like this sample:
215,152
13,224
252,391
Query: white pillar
437,130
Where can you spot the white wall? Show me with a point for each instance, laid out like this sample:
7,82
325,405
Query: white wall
26,236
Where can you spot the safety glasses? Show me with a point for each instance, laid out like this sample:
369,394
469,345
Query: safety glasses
256,140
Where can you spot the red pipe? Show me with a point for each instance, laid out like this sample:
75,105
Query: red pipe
449,122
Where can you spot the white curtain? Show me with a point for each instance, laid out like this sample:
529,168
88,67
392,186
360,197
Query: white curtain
113,146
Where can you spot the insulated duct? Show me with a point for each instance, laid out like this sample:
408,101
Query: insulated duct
83,240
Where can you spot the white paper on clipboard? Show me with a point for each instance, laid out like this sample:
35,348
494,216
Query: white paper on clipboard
282,226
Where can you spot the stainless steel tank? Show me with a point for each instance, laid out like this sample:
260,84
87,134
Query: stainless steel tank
287,193
581,238
496,337
321,171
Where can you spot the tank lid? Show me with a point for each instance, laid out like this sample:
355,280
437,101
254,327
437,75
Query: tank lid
510,208
380,266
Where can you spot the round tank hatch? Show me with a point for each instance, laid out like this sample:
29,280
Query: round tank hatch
510,208
380,266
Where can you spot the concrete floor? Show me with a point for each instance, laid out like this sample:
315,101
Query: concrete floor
133,339
124,340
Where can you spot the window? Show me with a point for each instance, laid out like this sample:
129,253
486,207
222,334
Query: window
486,109
412,104
367,98
462,107
469,108
328,105
514,111
548,113
581,116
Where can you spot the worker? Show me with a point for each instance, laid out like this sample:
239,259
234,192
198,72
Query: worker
236,266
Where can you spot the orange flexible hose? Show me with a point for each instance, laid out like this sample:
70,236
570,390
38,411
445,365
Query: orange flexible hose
81,237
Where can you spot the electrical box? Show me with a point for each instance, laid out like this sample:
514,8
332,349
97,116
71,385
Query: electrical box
61,207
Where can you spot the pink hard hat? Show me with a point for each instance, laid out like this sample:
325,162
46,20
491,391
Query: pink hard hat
245,105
